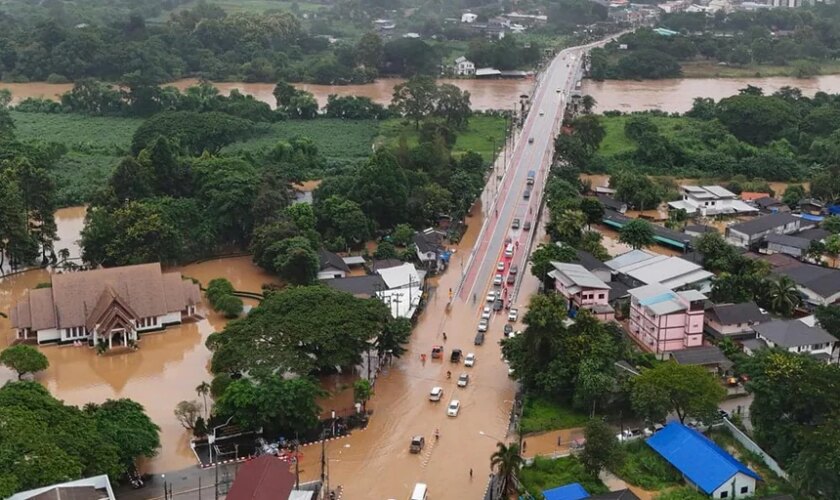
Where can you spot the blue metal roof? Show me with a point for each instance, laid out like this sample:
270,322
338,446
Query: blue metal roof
657,299
572,491
812,218
697,457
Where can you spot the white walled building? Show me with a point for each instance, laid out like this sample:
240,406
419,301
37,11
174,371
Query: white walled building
464,67
710,200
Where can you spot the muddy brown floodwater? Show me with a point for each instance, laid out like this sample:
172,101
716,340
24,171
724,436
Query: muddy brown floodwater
165,370
623,95
375,463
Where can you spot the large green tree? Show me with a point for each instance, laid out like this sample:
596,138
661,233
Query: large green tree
638,233
601,450
416,98
296,261
688,391
24,359
305,330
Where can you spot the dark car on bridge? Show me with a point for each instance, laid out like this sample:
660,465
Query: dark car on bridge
527,194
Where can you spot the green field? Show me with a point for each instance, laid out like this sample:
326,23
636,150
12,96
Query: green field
616,142
338,140
479,136
544,415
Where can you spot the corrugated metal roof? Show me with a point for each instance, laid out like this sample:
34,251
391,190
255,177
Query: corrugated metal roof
578,275
697,457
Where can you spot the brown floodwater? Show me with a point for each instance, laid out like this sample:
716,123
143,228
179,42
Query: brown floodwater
677,94
70,221
165,370
485,94
624,95
603,180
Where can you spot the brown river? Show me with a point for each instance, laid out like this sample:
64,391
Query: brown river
666,95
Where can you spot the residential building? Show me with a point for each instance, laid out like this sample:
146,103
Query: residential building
702,463
90,488
662,320
593,265
582,290
400,287
709,357
710,200
698,229
734,321
429,246
612,203
753,232
640,267
108,305
820,286
263,478
468,17
749,196
488,73
464,67
574,491
787,244
527,19
363,287
811,206
794,336
769,205
331,266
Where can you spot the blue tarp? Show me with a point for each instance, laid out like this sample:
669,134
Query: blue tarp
573,491
812,218
834,209
445,256
697,457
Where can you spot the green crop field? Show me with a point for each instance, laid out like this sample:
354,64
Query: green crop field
338,140
77,131
482,133
616,142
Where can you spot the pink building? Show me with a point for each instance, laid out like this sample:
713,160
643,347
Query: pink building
582,289
662,320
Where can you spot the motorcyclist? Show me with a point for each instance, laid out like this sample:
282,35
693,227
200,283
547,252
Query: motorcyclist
448,374
444,335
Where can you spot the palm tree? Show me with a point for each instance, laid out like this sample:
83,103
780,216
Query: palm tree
588,102
203,389
783,295
506,461
64,254
569,226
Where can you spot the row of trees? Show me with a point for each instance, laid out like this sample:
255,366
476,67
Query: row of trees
748,137
63,443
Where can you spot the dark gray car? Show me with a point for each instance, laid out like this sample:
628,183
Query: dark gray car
498,305
479,338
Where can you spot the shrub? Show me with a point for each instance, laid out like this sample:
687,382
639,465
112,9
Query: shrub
644,468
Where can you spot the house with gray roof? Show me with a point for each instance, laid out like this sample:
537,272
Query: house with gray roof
707,356
794,336
788,244
89,488
582,290
331,266
611,203
770,205
820,286
734,321
640,267
429,246
710,200
753,232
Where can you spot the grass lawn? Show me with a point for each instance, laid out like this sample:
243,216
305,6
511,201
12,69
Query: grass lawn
771,482
545,474
644,468
337,140
616,142
543,415
703,69
478,136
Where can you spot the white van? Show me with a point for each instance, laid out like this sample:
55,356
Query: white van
509,250
419,492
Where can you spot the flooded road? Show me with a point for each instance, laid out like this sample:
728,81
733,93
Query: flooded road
375,463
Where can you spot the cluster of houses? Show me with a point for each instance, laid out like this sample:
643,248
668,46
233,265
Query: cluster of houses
664,298
400,285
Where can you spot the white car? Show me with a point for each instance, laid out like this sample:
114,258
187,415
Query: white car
463,380
453,408
500,266
482,325
497,280
470,360
491,296
542,113
513,314
436,394
485,313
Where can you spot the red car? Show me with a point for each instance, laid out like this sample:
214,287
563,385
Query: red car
437,351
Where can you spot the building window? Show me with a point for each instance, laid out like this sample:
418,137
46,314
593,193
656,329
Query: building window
745,489
600,295
724,494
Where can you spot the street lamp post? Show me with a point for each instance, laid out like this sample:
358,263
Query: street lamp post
211,440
